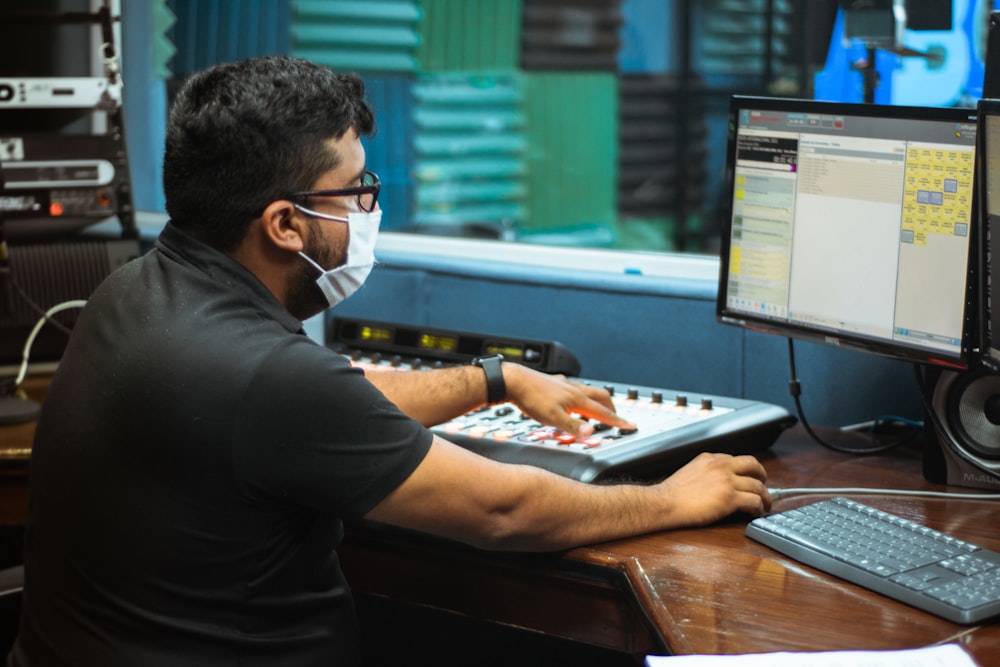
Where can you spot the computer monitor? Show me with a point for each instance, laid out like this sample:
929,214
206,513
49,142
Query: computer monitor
989,202
852,225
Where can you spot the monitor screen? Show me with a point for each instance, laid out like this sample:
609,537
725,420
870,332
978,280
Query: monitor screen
989,201
851,225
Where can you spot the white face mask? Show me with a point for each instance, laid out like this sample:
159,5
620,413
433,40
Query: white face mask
339,283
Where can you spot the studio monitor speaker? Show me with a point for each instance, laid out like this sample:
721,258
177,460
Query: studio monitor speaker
963,445
49,274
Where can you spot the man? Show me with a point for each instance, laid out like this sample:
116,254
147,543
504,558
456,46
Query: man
197,453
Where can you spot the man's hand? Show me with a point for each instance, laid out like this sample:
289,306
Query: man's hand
556,401
713,486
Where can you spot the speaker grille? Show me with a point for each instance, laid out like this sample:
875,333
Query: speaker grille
971,409
49,274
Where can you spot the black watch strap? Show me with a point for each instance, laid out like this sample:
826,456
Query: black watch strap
496,388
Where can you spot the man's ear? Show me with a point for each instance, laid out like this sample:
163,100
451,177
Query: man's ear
282,227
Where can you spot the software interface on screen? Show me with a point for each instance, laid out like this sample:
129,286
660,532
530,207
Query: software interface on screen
852,226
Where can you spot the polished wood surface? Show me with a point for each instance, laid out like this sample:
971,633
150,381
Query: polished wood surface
15,454
707,590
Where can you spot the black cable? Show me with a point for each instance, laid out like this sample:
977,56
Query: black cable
795,389
39,309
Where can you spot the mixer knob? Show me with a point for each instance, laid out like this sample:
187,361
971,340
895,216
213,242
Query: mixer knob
416,362
681,400
610,389
356,355
633,394
706,404
657,397
375,357
395,360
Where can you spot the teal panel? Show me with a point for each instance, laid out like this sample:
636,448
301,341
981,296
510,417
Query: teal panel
389,152
360,12
499,167
214,31
463,35
366,37
573,133
350,35
470,150
454,144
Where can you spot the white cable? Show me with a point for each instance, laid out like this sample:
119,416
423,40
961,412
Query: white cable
59,307
781,493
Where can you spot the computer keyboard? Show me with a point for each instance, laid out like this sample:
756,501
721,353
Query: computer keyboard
896,557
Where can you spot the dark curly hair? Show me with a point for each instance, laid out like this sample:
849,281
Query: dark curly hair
241,135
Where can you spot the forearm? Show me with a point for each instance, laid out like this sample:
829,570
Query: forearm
433,396
554,513
708,488
499,506
462,496
436,396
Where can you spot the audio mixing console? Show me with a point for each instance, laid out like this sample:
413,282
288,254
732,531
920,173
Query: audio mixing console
672,426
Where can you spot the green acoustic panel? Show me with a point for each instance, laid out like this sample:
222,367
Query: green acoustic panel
163,47
470,150
573,160
351,35
462,35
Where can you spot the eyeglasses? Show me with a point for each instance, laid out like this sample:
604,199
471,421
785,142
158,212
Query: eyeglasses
367,192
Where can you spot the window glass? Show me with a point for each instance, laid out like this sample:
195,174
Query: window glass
582,123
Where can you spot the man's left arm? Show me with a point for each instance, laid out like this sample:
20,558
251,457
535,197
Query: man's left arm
437,396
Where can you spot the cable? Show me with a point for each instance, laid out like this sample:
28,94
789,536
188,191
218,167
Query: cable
40,310
795,389
874,424
59,307
781,493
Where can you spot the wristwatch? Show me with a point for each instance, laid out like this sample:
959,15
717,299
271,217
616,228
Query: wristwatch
496,388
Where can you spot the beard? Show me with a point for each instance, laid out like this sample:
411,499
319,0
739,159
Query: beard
305,298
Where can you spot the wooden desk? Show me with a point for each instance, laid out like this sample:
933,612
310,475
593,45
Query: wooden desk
15,454
709,590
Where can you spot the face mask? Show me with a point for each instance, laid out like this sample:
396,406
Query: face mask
339,283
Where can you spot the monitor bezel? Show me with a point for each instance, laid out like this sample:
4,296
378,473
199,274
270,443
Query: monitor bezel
966,355
989,354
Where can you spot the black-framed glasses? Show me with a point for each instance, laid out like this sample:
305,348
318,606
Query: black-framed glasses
367,192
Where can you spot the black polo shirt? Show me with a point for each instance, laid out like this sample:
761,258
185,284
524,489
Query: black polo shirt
193,461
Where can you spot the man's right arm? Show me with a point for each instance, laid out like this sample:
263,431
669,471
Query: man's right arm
460,495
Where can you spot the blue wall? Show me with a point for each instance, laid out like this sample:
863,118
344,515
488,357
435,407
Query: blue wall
636,329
